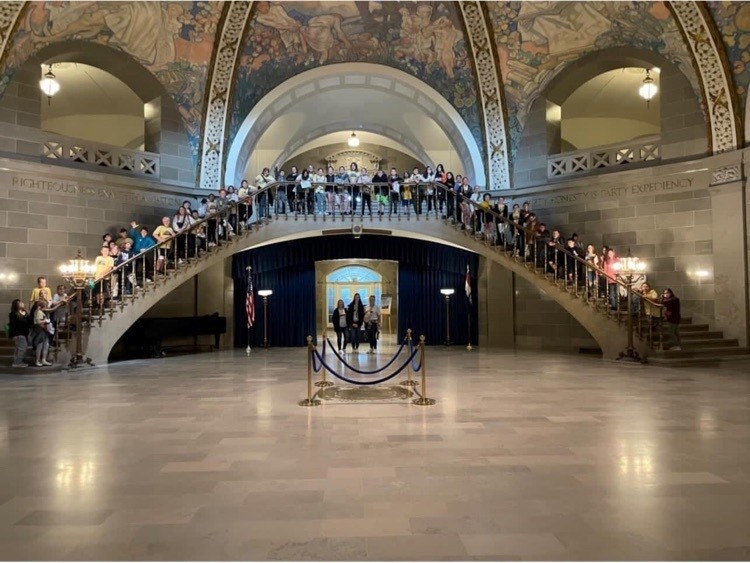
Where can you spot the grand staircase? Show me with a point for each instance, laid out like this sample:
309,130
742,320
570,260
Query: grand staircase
103,328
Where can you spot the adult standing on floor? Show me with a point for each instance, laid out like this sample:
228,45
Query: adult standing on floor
355,317
18,331
672,317
340,325
372,324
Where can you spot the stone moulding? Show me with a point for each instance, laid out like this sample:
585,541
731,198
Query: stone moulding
214,123
726,174
710,62
490,94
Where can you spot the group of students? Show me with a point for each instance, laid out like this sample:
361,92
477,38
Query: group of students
352,191
349,321
36,328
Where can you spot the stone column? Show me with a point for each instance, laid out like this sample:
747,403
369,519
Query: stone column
729,221
496,306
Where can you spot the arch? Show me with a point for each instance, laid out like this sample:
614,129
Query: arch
117,63
719,96
565,82
608,334
309,141
343,76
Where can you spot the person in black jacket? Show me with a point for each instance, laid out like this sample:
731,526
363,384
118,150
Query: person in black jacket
340,325
672,315
18,322
355,315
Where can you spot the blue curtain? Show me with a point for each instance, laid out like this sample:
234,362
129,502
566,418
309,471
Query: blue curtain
289,270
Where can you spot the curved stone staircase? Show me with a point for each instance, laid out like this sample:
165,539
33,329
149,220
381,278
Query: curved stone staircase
609,330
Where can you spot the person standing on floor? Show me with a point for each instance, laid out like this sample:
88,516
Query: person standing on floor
340,325
672,317
18,331
372,324
38,334
355,316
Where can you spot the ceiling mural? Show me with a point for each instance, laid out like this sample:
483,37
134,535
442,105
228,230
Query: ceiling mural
173,40
733,21
424,39
535,40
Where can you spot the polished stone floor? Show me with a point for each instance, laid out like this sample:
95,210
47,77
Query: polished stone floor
525,456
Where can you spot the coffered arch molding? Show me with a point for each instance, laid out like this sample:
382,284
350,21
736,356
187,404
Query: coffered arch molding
338,77
709,57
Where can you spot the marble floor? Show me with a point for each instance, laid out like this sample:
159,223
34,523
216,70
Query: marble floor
525,456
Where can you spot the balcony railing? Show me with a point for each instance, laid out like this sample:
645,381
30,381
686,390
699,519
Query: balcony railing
68,149
582,162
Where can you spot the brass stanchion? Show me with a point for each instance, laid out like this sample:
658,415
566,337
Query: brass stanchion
309,402
323,382
409,382
423,400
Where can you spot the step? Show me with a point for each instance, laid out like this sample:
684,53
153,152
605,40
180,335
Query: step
701,334
709,343
703,353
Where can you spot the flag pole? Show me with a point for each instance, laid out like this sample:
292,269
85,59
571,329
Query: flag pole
467,285
249,271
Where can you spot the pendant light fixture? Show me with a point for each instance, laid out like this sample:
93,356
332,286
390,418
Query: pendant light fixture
353,140
49,85
648,89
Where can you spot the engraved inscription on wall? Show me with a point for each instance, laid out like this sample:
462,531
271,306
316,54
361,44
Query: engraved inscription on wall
82,190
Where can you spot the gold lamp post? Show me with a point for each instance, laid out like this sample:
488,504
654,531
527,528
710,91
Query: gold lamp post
265,294
627,268
447,292
78,272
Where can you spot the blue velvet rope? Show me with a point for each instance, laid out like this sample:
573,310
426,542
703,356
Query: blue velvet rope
365,372
377,381
413,353
317,369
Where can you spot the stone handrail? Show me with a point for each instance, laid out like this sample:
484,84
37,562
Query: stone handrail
68,149
644,149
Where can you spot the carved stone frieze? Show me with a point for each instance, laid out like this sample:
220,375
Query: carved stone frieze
490,94
714,76
726,174
225,61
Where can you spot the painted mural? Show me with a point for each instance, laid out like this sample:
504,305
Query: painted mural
173,40
535,40
424,39
733,21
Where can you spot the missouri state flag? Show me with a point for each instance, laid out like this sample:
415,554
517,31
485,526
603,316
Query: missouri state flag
467,284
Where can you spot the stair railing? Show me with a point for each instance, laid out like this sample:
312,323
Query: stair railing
332,201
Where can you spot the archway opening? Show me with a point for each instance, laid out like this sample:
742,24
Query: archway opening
94,105
608,109
340,98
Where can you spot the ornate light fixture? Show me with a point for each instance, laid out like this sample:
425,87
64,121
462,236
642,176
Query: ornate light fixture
628,268
353,140
49,85
648,89
79,272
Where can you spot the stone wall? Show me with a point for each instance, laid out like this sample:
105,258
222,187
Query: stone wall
47,213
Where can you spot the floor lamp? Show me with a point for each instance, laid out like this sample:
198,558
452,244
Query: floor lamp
447,292
265,294
79,273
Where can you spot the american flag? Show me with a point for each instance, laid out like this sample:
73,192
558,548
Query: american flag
467,284
250,300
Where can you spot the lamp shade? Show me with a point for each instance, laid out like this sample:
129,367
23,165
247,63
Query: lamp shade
265,292
49,85
353,140
648,89
447,291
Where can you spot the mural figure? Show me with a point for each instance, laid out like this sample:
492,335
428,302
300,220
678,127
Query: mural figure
561,26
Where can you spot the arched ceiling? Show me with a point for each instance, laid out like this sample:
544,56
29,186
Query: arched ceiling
532,41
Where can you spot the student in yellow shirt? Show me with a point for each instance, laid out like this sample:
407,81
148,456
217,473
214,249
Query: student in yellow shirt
102,267
163,234
41,284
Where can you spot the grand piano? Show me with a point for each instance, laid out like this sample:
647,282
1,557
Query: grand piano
146,336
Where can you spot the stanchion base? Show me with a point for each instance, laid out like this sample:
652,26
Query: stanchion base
630,355
409,383
79,360
469,348
323,384
309,403
424,401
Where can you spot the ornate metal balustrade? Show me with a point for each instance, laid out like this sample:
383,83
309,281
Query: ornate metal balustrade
582,162
68,149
